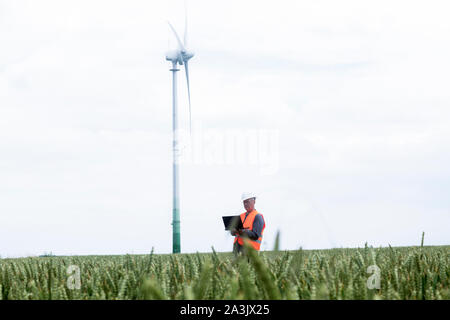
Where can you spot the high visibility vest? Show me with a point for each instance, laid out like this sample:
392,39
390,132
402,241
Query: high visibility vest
248,224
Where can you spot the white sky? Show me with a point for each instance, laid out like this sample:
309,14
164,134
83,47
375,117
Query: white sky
357,93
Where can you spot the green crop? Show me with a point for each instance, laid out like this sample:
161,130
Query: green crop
418,273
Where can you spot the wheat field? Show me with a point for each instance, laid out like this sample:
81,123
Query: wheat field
404,273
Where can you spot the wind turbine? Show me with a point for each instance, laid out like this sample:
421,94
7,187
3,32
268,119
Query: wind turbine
179,56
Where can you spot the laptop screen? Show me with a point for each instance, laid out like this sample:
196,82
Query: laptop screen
232,222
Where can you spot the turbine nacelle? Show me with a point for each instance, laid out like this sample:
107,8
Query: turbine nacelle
174,56
179,56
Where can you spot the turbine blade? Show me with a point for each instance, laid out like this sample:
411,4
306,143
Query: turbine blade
180,44
189,94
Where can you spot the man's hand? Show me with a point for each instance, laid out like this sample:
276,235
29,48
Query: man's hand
237,232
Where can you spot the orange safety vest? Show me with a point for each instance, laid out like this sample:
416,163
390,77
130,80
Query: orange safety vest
248,224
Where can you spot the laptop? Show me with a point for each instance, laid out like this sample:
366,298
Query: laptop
232,222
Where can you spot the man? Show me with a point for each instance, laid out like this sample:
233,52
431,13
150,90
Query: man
253,223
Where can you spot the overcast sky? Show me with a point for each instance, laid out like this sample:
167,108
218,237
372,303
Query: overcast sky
349,101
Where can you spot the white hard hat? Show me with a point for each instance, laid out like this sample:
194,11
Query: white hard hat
247,195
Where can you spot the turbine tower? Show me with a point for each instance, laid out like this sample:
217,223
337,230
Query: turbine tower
180,56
